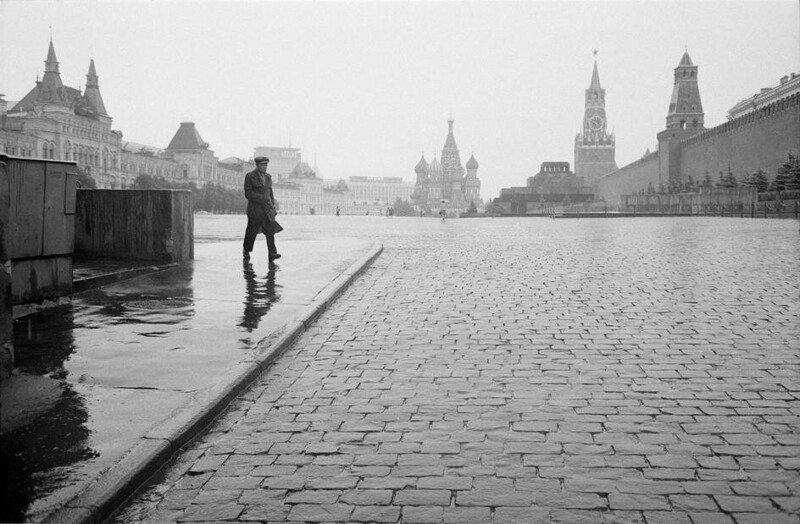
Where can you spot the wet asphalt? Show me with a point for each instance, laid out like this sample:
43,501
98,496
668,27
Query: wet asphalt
97,372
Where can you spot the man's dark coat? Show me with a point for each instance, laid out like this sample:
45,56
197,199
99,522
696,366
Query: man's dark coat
260,200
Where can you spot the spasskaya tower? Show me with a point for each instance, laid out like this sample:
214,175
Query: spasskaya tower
594,146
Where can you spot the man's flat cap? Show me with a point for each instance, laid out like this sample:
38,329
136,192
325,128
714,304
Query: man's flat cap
260,159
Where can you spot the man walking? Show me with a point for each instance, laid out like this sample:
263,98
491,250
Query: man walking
260,209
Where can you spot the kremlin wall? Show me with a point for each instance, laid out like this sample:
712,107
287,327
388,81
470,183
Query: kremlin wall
759,139
760,133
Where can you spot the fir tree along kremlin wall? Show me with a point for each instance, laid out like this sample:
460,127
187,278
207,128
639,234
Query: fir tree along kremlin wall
760,139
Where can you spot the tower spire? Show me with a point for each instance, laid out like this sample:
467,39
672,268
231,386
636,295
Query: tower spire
595,83
92,92
51,88
685,107
594,145
51,64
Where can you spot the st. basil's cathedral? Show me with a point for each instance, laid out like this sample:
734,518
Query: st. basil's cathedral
444,184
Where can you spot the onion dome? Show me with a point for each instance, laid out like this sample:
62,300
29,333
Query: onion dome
422,166
435,166
472,163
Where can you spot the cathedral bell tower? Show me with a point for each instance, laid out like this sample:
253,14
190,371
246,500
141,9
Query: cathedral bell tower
594,145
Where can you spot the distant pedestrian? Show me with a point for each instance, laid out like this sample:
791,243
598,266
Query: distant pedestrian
337,211
443,214
261,209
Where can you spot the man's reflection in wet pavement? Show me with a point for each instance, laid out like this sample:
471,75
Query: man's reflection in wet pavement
260,294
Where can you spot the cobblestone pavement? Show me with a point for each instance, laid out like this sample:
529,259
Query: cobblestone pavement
506,371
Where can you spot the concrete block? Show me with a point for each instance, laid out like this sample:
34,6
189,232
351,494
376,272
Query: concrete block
154,224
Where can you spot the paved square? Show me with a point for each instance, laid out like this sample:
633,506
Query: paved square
605,370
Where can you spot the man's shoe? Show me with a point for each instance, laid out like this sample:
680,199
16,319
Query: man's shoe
245,255
276,256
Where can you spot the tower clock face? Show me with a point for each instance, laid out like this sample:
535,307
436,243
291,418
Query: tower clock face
596,123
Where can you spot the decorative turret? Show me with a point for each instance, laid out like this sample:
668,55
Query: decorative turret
92,91
472,186
421,169
51,89
472,165
187,137
51,63
420,194
422,166
435,169
685,108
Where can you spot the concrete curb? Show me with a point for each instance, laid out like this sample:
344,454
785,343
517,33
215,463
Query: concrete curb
100,499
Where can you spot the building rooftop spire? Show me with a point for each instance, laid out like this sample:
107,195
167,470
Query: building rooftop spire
51,64
92,73
92,92
450,142
595,84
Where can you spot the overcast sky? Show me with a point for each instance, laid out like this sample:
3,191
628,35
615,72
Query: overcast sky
364,88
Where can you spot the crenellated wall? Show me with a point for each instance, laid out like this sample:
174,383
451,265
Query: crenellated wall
759,140
153,224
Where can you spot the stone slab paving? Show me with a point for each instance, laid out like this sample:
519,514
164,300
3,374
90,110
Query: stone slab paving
525,371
